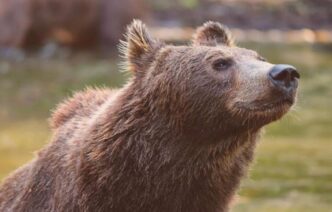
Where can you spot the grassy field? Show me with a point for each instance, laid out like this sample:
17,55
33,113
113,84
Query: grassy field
293,168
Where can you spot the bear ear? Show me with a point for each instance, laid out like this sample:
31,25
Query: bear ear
139,47
213,34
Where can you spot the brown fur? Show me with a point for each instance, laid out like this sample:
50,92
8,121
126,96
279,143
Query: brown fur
217,33
81,105
177,137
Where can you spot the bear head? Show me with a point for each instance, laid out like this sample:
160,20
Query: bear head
210,84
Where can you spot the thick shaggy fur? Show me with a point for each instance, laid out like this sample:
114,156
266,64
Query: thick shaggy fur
167,141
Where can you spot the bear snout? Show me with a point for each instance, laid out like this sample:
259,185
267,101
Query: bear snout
284,78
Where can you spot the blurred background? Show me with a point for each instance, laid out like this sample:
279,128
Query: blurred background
52,48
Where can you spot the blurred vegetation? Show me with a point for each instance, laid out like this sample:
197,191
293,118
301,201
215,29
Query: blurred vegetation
293,169
99,24
254,14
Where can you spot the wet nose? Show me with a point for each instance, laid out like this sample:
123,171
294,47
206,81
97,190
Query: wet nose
284,76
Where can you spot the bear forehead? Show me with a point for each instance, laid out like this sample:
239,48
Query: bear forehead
215,51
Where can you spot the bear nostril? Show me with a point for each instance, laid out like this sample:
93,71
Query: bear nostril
283,75
295,74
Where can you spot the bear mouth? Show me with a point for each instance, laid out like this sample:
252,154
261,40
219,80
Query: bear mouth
268,106
271,105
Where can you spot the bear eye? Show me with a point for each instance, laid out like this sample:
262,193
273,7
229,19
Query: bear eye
222,64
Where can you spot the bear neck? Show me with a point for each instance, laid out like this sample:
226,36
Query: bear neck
163,161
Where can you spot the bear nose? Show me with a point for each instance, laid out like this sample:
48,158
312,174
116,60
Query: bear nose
284,76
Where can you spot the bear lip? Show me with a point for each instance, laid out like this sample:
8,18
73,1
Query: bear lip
261,106
276,104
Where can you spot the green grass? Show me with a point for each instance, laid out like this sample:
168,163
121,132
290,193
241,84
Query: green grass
293,168
19,141
289,175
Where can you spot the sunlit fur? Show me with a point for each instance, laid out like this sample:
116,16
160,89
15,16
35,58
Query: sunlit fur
179,136
212,34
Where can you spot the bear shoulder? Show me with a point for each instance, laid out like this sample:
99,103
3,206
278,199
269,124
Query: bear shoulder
81,104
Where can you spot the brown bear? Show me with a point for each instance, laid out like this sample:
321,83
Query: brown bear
177,137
